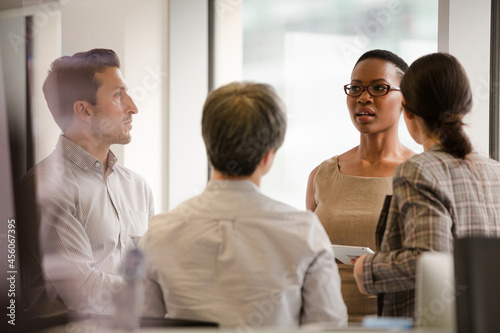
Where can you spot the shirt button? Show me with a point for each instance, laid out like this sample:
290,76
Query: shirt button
97,164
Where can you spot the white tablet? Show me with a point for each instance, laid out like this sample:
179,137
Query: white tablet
346,253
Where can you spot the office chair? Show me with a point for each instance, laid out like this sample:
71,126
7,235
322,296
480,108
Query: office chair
477,267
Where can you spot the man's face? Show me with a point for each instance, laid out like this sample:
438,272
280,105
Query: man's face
112,117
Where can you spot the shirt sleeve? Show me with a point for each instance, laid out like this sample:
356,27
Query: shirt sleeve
154,304
419,220
321,295
68,260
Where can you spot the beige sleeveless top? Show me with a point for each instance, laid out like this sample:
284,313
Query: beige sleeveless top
349,207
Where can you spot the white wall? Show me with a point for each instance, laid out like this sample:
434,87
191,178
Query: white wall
465,33
146,71
188,87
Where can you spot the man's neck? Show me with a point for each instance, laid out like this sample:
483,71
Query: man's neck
254,178
99,151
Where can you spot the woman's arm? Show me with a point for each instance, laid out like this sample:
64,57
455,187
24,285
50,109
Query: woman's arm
310,200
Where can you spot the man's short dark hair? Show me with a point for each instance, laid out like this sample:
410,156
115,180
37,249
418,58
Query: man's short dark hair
72,78
241,123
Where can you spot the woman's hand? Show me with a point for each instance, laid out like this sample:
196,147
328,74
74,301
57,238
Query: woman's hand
358,274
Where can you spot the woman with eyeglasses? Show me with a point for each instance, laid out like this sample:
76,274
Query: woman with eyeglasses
347,191
446,192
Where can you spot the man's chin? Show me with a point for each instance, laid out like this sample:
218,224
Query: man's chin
126,139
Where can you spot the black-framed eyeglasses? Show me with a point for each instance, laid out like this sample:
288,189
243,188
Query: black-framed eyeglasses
376,90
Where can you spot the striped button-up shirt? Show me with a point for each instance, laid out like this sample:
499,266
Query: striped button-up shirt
436,198
86,219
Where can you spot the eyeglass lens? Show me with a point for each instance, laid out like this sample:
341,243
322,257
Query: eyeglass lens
374,89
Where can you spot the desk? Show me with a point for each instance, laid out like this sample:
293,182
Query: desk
91,327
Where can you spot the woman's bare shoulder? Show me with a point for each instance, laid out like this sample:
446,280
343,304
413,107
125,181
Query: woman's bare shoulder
349,155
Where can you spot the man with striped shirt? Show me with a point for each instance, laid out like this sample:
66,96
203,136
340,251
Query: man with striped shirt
87,205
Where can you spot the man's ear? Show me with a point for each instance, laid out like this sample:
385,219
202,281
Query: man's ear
267,159
83,110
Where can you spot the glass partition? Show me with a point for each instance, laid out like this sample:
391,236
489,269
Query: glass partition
306,49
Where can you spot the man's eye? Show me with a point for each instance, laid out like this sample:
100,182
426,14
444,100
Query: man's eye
119,94
355,88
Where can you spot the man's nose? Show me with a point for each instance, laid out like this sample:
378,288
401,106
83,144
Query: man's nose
132,108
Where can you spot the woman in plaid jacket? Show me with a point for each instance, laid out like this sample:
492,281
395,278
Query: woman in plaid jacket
446,192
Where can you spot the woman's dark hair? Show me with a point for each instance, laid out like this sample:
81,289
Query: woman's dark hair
242,122
388,56
72,78
436,88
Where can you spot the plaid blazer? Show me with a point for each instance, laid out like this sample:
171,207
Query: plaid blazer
436,198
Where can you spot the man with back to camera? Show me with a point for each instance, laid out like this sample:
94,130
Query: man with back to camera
232,255
87,204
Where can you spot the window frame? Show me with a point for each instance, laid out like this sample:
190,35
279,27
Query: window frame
494,80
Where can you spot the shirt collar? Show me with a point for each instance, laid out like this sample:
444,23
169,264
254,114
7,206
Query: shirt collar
232,185
83,158
436,147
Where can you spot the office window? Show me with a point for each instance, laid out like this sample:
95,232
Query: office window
306,49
